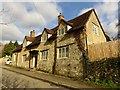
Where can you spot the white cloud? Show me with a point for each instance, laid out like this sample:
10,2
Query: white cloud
107,13
24,16
11,32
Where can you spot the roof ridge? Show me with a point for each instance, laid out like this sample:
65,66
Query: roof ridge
73,18
81,15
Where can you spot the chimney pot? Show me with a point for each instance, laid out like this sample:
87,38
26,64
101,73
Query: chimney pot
32,33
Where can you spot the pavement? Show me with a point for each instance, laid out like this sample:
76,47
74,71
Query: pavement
51,78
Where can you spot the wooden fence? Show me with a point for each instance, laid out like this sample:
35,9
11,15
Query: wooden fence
104,50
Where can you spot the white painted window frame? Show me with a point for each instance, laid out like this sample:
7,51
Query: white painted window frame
23,60
44,56
62,52
59,31
95,29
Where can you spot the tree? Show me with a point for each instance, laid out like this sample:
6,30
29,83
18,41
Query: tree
16,44
8,49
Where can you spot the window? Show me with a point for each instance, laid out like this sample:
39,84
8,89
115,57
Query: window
44,55
62,31
24,58
95,29
63,52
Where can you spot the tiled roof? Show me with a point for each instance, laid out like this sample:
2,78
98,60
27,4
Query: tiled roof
36,41
68,23
49,31
31,39
76,23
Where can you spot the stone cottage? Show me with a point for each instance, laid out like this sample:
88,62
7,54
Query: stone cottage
62,49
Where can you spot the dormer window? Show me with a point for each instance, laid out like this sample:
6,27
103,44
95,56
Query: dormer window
62,30
44,37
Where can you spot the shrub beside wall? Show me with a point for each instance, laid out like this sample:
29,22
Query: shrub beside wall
106,69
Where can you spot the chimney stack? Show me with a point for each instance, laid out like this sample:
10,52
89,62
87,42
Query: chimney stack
60,16
32,33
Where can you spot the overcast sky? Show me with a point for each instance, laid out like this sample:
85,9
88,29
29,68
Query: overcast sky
20,18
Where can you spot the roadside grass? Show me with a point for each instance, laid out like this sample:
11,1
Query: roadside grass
105,83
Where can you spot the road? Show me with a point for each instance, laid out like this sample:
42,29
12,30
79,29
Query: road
19,78
15,80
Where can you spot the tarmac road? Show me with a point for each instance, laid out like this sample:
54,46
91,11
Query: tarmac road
13,77
15,80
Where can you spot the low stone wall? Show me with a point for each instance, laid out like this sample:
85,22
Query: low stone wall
106,69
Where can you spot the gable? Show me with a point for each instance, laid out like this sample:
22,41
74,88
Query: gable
24,42
91,34
44,36
28,40
62,24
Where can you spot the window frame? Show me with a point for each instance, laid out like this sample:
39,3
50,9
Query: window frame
63,52
95,29
61,31
44,55
23,60
15,57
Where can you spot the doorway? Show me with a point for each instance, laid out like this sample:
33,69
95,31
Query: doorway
34,61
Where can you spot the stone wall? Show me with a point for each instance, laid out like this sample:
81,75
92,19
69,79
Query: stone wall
18,62
92,38
46,65
72,65
106,69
